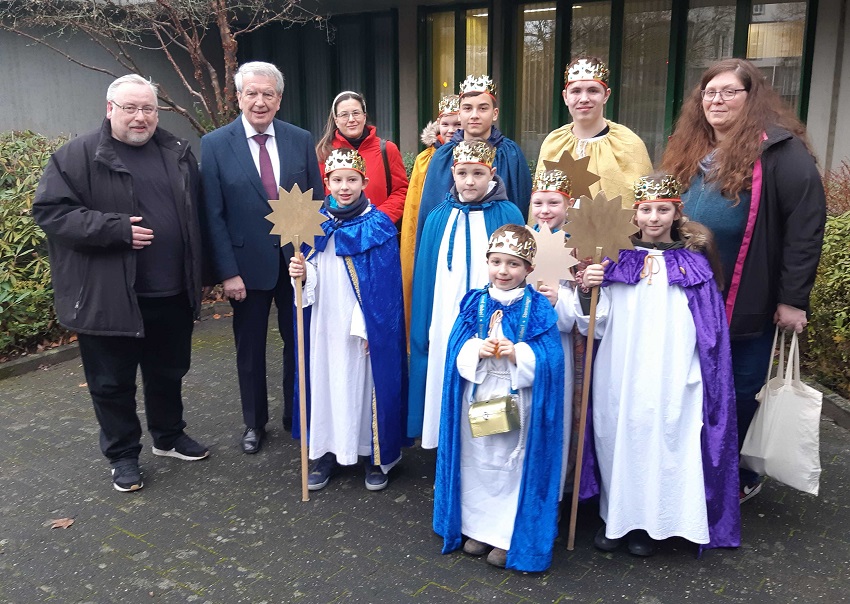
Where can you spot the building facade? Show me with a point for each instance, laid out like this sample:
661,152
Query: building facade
403,55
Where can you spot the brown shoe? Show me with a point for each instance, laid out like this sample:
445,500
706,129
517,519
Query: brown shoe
498,557
475,548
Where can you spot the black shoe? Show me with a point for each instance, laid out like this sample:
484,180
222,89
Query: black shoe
126,475
601,542
252,440
641,544
185,448
287,424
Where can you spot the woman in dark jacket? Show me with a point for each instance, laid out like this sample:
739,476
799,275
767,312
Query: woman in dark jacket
753,180
348,128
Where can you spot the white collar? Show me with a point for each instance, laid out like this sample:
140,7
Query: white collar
249,129
506,297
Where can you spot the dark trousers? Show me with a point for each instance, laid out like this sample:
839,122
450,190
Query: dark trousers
750,359
110,364
250,328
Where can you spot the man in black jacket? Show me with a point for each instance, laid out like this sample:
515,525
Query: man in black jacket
119,206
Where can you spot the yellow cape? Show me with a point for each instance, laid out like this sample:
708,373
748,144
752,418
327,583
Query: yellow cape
409,223
619,158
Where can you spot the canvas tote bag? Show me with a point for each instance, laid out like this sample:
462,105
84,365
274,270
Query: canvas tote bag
783,441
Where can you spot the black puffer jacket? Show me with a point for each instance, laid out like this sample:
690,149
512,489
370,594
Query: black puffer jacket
787,235
84,202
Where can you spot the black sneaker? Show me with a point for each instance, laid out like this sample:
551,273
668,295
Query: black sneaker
185,448
126,476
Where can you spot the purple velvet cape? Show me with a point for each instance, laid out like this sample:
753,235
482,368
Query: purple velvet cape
719,441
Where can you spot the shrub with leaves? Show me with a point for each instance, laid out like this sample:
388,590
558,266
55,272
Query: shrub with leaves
27,318
827,349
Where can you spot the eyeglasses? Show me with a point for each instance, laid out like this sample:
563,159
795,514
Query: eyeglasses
345,115
727,94
133,110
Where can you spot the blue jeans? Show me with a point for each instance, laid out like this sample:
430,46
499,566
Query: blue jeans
750,359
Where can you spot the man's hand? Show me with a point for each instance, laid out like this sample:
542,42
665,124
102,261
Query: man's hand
234,288
488,348
142,237
506,349
790,318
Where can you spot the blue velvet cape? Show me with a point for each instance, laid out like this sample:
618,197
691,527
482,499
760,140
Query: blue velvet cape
497,212
692,272
536,523
370,242
510,165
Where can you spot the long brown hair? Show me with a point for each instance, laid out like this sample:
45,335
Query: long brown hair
693,137
326,143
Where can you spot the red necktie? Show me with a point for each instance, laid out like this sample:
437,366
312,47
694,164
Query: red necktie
266,170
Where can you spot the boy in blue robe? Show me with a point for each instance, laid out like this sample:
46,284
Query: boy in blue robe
447,266
479,108
500,488
357,351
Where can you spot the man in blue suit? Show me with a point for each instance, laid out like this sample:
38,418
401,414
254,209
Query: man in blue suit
242,165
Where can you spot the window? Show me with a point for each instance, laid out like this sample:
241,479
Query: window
535,66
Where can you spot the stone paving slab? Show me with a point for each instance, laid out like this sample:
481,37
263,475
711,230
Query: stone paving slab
232,528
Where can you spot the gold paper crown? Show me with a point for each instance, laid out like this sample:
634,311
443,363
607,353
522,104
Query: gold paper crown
587,69
448,105
508,242
657,188
474,152
341,159
552,180
481,84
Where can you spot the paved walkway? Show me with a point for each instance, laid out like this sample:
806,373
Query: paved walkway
232,528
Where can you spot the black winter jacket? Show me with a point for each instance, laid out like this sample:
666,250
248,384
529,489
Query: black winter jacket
84,202
787,235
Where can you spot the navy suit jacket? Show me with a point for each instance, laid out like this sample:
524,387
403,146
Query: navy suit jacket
235,203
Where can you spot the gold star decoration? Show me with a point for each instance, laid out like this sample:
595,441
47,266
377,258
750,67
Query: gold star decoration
296,216
554,259
580,177
600,222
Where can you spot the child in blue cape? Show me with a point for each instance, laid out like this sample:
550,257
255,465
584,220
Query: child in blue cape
357,350
446,268
501,490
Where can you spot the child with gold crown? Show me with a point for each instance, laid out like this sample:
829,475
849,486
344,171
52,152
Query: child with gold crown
664,432
357,353
447,267
498,476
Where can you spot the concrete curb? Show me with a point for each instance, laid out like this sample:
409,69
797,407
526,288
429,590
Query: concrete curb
60,354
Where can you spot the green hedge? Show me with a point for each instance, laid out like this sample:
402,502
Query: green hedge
26,296
826,354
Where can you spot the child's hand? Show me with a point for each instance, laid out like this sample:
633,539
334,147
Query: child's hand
550,293
296,267
488,349
594,274
506,349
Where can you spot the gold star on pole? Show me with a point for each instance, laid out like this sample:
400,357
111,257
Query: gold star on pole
580,177
296,216
600,223
553,260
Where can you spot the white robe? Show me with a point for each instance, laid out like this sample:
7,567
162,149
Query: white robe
566,320
450,288
647,410
491,466
341,383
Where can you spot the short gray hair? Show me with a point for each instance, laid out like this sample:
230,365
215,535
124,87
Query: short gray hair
132,78
261,69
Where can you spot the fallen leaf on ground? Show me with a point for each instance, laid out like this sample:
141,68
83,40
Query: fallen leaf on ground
62,523
83,385
216,316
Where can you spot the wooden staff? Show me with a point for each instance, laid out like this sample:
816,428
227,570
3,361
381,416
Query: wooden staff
585,393
302,380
